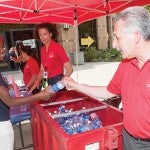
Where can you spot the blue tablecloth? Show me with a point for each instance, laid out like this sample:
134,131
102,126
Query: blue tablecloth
19,113
20,117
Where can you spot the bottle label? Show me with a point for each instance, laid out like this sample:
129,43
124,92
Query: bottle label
44,81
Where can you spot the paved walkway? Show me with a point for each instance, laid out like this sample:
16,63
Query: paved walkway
96,73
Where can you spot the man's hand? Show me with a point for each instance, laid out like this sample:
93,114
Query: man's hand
69,82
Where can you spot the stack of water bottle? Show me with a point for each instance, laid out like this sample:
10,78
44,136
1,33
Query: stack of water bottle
77,123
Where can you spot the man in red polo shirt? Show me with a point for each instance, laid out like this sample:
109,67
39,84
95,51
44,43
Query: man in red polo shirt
132,78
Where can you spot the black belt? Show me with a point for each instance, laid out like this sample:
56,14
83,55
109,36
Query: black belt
140,139
55,79
137,138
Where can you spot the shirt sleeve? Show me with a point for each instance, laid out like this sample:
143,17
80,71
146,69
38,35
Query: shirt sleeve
114,85
34,67
62,55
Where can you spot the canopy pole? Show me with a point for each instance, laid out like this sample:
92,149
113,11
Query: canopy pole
76,40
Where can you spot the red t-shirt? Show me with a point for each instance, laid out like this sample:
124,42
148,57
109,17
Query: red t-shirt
134,86
54,59
31,68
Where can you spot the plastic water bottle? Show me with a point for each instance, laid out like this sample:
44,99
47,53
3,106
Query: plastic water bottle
9,55
79,122
58,86
61,109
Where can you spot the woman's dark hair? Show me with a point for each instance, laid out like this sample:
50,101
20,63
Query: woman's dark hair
27,49
19,45
30,52
49,26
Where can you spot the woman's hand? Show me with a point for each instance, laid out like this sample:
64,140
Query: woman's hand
46,94
36,85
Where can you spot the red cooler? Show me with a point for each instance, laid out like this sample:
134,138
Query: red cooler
49,135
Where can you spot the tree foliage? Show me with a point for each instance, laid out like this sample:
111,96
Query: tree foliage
147,7
91,54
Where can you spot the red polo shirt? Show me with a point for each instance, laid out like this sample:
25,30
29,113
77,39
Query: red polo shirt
54,59
31,68
134,86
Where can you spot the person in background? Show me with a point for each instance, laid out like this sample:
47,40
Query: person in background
6,101
2,54
53,56
13,56
132,78
2,50
31,68
17,58
27,61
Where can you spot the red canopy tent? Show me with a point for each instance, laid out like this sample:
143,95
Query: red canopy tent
60,11
73,12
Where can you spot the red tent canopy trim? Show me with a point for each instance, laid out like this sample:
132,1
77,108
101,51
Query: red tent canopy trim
60,11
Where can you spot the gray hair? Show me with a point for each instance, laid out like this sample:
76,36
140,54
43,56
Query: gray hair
135,18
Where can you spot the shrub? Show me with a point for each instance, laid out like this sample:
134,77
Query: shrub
107,55
91,55
103,55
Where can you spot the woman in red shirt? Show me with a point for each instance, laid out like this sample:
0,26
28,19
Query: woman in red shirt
53,55
31,68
